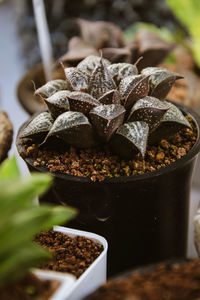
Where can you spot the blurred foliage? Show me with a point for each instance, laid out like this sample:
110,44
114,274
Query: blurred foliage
21,219
163,32
188,12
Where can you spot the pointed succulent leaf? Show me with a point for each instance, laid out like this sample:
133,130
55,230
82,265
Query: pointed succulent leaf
106,119
122,70
101,81
132,88
58,103
52,87
42,123
82,102
149,110
90,63
110,97
74,128
76,79
161,81
130,139
172,121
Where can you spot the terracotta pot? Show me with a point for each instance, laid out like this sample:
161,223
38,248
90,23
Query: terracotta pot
143,217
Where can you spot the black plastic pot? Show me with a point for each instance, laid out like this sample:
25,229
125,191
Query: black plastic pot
144,217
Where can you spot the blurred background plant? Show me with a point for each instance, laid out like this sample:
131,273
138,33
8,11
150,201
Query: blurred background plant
21,219
188,13
62,27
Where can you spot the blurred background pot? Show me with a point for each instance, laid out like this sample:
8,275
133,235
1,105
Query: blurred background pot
6,135
143,217
173,280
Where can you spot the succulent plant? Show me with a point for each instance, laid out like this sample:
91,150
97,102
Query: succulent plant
109,103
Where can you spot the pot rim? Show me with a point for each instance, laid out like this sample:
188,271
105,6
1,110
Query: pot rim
164,170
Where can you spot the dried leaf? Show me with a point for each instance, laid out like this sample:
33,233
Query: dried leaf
74,128
111,97
122,70
58,103
82,102
130,139
132,88
106,119
161,81
148,109
52,87
41,124
151,47
100,81
172,121
77,80
115,55
77,51
101,34
90,63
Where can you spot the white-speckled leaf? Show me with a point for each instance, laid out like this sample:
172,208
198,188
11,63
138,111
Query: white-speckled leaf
106,119
122,70
82,102
74,128
88,64
148,109
130,139
174,114
52,87
111,97
42,123
58,103
172,121
77,80
161,81
133,88
100,81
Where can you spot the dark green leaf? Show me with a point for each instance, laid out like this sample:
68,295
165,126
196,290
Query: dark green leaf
41,124
106,119
100,81
111,97
122,70
52,87
171,123
77,80
133,88
149,110
58,103
82,102
74,128
88,64
130,139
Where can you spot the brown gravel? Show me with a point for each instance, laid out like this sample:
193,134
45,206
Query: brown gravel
29,288
71,254
100,163
177,282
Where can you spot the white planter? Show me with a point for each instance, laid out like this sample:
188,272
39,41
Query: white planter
72,288
66,282
95,275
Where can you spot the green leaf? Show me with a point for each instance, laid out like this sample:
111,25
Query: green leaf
21,220
9,169
163,32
